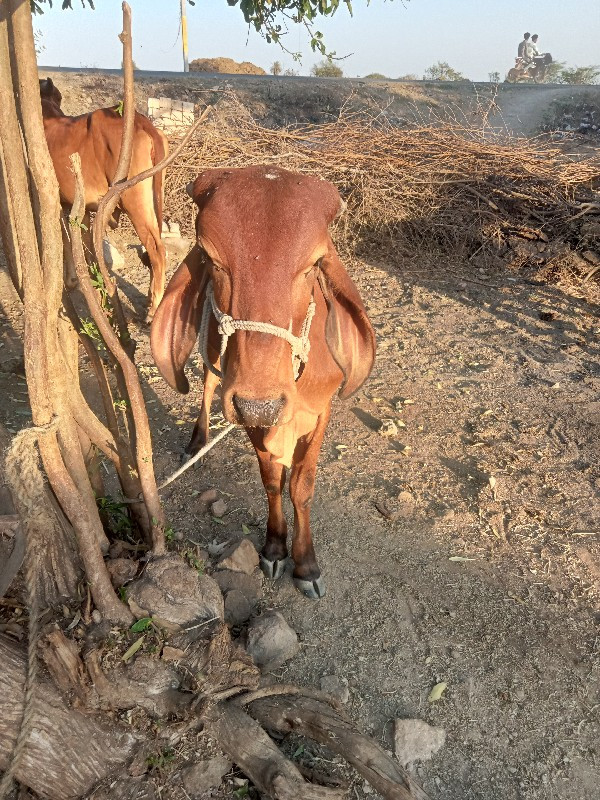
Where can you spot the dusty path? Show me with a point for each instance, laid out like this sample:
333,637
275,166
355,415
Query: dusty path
491,377
522,108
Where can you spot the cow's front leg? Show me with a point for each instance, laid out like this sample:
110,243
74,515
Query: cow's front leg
307,575
274,554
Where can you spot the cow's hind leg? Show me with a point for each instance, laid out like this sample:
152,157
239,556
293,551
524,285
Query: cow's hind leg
138,203
307,575
274,554
202,426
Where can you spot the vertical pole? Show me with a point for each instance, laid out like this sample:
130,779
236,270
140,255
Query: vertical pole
184,36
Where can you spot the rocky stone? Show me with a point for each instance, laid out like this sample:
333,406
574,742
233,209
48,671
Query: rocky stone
238,609
219,508
388,428
174,594
208,496
96,617
242,594
240,557
406,498
121,570
250,585
271,641
112,257
335,687
415,740
205,775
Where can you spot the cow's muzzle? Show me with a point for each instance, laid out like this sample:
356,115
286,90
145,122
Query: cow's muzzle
258,413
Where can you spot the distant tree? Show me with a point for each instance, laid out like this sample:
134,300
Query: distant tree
580,75
410,77
494,77
553,72
442,71
377,76
326,69
276,68
291,72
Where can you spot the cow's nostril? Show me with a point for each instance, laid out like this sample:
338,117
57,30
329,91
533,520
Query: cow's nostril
258,413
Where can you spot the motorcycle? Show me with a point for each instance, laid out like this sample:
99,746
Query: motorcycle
529,71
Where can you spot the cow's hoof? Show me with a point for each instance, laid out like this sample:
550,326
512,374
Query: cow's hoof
313,589
272,569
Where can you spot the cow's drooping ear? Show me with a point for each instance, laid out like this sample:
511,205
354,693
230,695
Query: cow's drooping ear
349,334
176,324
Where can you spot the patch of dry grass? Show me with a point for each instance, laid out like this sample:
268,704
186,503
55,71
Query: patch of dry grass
441,187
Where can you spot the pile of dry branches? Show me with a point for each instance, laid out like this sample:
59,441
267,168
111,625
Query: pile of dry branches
441,187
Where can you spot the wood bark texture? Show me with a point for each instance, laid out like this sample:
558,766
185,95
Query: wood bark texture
68,752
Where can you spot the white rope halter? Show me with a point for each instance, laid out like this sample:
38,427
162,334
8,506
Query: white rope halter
228,326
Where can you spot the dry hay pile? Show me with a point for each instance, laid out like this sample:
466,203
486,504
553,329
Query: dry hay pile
444,189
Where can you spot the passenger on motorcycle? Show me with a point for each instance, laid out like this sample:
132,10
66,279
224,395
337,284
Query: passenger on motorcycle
523,45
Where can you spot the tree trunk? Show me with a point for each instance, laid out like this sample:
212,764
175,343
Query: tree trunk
68,752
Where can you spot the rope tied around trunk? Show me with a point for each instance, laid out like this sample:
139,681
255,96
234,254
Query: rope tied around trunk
227,326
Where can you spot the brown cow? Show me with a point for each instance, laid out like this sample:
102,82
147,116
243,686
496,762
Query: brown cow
264,255
97,139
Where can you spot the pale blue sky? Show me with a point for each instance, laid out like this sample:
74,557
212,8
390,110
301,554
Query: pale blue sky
475,36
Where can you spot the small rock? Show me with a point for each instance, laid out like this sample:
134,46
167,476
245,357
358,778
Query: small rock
242,593
174,594
388,428
205,775
240,557
121,570
114,259
96,617
415,740
406,498
335,687
208,496
238,609
271,641
218,508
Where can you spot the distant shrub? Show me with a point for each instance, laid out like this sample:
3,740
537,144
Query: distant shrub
377,76
580,75
442,71
276,68
327,69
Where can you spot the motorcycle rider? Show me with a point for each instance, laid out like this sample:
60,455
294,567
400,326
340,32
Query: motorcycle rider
523,45
533,45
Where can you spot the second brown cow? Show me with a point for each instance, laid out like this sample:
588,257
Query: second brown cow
280,323
97,139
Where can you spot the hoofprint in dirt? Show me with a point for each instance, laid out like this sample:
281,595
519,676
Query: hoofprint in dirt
464,548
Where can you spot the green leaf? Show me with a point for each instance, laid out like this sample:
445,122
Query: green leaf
119,108
133,649
245,529
242,791
141,625
436,693
219,521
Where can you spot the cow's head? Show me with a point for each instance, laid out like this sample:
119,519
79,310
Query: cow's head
49,92
263,242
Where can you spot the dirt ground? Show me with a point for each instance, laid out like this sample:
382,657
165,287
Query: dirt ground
464,549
